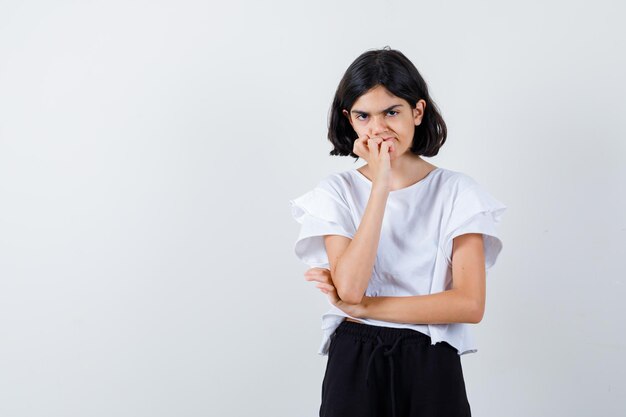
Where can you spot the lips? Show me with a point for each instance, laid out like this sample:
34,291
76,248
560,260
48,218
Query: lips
390,139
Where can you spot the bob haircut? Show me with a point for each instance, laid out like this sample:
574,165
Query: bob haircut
394,71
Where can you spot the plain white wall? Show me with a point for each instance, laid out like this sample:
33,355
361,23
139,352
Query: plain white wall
148,150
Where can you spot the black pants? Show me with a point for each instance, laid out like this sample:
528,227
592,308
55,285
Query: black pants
375,371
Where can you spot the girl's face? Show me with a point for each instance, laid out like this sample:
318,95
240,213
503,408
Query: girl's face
379,113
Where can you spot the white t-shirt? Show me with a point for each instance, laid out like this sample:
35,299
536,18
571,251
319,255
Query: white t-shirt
415,247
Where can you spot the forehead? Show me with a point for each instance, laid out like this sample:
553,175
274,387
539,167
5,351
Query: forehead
376,99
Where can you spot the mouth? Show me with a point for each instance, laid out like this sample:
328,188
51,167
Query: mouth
389,139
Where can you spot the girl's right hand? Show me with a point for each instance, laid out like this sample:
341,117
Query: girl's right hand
376,152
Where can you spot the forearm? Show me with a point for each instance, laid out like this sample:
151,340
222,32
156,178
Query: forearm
451,306
354,267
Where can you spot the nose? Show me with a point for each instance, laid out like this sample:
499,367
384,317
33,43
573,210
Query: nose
377,125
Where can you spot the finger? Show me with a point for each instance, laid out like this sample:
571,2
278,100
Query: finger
319,272
327,287
384,148
323,286
390,144
316,272
377,140
312,278
318,277
373,147
361,142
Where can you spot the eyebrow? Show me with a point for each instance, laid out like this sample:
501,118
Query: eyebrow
384,111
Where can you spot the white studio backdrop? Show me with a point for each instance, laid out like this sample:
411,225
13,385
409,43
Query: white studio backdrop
148,150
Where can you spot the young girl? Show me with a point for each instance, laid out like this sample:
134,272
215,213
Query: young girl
401,248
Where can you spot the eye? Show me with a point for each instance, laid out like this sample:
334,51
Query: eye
361,116
392,111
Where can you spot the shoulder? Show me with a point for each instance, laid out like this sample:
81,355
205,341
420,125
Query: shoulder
337,184
467,196
455,182
339,180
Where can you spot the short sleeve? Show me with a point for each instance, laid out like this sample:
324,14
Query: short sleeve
475,210
319,213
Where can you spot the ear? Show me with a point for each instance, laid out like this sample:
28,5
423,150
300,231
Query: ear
418,112
345,113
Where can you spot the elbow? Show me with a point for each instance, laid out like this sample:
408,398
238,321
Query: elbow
347,291
475,319
477,313
350,297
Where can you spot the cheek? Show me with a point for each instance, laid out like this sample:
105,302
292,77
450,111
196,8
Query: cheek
360,129
406,128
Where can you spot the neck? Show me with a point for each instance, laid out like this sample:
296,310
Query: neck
406,165
406,170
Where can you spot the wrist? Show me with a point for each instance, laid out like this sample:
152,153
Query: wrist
380,189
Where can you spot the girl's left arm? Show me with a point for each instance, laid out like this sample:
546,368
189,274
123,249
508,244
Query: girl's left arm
463,303
451,306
